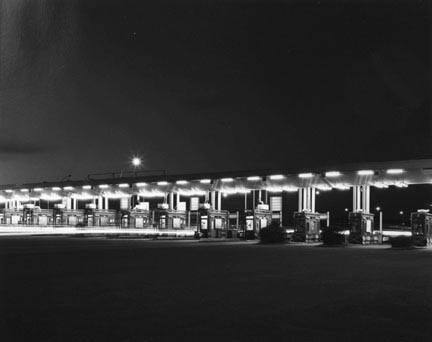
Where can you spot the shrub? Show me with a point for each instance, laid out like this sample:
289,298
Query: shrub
331,237
298,237
401,241
273,233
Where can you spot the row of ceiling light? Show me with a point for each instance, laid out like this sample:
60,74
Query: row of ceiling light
329,174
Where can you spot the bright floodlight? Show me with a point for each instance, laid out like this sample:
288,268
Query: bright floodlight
378,208
140,184
395,171
68,188
365,172
56,188
227,180
103,186
306,175
123,185
136,161
162,183
38,189
9,191
277,177
86,187
205,181
24,190
254,178
181,182
332,174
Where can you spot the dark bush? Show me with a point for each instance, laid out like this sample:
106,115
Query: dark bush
331,237
355,238
273,233
419,240
298,237
401,241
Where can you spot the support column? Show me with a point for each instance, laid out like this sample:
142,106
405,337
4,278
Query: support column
313,193
219,201
106,203
300,200
177,200
100,204
367,200
171,200
213,200
259,196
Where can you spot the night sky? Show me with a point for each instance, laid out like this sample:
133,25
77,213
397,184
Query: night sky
210,85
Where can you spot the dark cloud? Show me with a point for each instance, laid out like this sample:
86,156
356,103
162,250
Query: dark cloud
9,147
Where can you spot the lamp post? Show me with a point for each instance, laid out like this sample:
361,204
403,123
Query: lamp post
380,222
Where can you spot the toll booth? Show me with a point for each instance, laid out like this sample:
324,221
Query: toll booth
213,223
34,215
99,217
67,217
421,228
361,227
13,216
255,220
166,218
140,216
307,226
233,224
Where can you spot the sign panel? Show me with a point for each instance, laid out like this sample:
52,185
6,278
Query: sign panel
43,220
276,203
176,222
181,206
218,223
194,203
249,224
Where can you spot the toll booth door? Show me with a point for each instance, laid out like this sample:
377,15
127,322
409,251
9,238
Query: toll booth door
104,221
72,220
139,222
15,219
125,221
43,220
162,222
177,222
204,223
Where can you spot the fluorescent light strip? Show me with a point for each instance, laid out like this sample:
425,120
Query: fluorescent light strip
395,171
306,175
162,183
86,187
227,180
331,174
277,177
141,184
68,188
254,178
205,181
181,182
365,172
123,185
103,186
56,188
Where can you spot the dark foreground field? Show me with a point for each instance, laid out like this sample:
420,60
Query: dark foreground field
57,289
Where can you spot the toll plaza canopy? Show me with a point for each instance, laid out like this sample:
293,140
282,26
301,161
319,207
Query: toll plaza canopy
378,174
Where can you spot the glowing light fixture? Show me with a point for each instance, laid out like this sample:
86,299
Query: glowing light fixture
136,161
306,175
68,188
378,208
332,174
9,191
123,185
227,180
24,190
141,184
56,188
86,187
324,187
103,186
254,178
181,182
38,189
162,183
395,171
365,172
277,177
205,181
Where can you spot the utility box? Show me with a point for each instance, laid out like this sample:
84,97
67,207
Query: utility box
421,228
360,227
307,226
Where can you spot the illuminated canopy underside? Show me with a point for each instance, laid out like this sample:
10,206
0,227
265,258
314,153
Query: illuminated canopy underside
410,172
